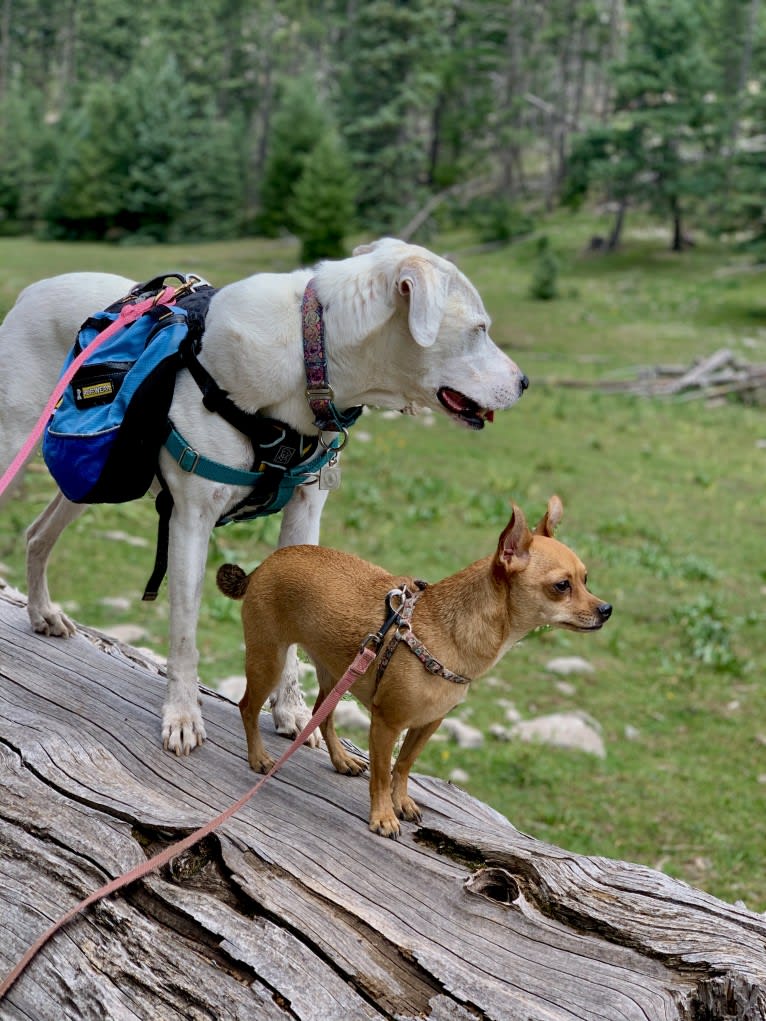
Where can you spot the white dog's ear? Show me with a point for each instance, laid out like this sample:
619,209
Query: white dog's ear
371,246
426,288
551,520
364,249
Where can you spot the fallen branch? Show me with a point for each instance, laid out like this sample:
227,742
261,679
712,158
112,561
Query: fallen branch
717,375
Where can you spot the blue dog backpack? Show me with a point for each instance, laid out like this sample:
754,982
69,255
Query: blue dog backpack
102,443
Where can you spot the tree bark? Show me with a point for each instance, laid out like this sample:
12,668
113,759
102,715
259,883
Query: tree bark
293,909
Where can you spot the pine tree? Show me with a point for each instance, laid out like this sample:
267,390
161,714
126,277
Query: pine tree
656,150
322,201
137,159
391,58
299,122
25,160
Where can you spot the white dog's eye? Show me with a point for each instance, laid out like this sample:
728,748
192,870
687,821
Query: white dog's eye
481,328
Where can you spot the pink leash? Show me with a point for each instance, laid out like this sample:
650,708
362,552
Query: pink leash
128,314
360,664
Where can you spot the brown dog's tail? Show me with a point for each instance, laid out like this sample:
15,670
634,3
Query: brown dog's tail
232,580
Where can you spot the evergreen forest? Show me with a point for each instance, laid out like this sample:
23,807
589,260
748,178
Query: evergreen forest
230,118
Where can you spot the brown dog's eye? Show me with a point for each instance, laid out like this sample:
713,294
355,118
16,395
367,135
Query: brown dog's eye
562,586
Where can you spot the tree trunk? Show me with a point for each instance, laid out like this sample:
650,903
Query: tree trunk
293,909
614,238
677,245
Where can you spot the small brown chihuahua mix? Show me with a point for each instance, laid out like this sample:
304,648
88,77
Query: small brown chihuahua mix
328,602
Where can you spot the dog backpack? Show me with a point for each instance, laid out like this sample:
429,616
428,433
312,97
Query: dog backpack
102,443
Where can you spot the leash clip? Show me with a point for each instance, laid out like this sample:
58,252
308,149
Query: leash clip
375,639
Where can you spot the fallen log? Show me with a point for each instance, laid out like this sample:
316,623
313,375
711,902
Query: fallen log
719,375
293,909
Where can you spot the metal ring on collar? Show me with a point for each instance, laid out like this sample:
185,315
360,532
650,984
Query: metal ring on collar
335,444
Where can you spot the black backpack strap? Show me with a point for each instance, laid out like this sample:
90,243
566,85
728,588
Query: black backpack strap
164,507
277,446
214,398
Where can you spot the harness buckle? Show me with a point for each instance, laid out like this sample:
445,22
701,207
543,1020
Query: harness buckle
188,460
321,392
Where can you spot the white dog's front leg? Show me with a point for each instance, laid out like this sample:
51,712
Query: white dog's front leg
300,524
190,527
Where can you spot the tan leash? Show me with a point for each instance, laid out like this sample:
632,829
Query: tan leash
359,666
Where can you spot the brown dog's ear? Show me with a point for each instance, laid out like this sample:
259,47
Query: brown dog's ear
426,288
513,547
551,520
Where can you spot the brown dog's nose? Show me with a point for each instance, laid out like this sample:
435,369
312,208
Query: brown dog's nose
604,611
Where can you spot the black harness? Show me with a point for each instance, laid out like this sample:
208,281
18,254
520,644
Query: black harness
278,449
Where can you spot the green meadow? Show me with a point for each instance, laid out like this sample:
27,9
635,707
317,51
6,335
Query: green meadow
663,498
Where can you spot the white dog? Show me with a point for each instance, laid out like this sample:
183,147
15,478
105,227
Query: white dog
404,329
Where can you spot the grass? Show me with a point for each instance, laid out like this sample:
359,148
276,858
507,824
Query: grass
663,500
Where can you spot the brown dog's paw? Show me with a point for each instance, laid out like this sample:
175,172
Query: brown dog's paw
350,765
385,825
262,763
407,809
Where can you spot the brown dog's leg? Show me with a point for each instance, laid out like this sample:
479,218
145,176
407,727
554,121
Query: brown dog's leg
343,761
413,744
263,667
382,740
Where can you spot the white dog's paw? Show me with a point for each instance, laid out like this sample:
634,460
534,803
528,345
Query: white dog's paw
289,721
182,729
50,621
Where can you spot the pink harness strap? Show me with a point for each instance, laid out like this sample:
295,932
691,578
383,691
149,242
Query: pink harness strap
128,314
360,664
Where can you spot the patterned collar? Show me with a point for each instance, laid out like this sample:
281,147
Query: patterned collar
319,393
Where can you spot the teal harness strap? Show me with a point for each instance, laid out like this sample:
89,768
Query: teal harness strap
257,504
190,460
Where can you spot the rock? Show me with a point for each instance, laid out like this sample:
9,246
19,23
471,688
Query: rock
459,776
116,602
349,713
462,733
232,687
565,688
564,730
128,634
569,665
499,732
132,540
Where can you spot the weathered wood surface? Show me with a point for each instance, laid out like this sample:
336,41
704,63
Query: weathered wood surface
294,910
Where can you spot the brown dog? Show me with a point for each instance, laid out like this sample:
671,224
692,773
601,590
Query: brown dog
328,602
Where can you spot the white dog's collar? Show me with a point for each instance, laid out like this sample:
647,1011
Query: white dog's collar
319,393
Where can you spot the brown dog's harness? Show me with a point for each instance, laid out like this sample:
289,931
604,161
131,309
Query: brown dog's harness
401,603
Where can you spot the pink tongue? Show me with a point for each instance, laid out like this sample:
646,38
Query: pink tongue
489,416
